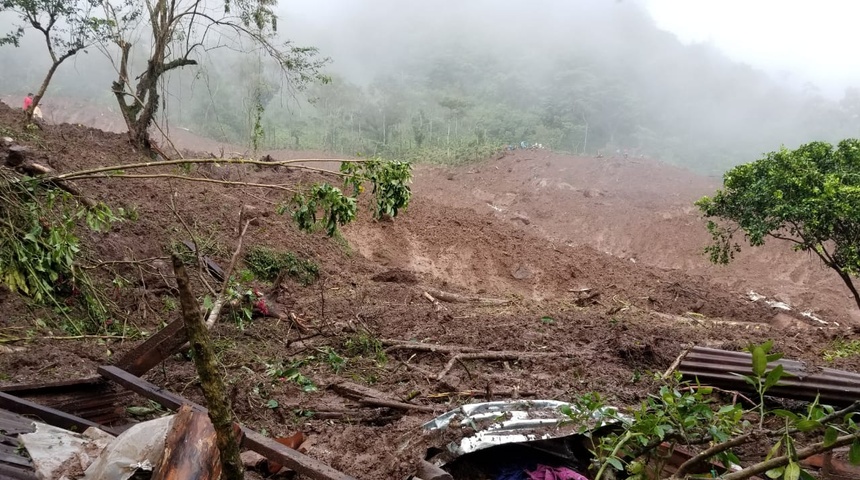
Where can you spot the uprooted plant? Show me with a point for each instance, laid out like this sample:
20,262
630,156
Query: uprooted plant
40,245
688,414
34,203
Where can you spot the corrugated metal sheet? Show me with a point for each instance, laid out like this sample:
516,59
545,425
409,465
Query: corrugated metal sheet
719,368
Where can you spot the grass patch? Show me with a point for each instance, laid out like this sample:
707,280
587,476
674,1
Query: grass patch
268,264
842,349
366,346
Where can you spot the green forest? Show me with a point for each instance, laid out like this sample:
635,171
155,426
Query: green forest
595,78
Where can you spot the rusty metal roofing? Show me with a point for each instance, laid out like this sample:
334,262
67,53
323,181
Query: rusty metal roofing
13,464
720,368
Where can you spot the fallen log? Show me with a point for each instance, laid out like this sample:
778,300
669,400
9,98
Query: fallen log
17,157
190,450
456,298
368,396
425,347
379,402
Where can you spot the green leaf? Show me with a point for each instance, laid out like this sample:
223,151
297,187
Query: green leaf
804,475
854,453
807,425
786,414
616,464
272,403
759,361
773,377
774,357
547,320
792,471
773,450
830,436
766,346
775,472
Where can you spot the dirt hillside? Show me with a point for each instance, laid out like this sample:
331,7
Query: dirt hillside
531,229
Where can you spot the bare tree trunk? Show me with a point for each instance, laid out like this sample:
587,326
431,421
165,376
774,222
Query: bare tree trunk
850,284
210,379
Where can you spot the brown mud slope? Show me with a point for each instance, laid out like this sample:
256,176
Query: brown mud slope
373,287
636,209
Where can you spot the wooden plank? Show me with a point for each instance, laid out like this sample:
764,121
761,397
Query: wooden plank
252,440
214,269
290,458
49,415
12,458
39,388
145,389
16,473
155,349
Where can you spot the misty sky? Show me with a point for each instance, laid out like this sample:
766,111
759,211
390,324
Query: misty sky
795,40
814,40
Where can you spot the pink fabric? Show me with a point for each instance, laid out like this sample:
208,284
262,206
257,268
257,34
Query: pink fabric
27,102
544,472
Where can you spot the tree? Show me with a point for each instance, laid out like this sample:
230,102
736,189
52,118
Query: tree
67,25
809,197
179,30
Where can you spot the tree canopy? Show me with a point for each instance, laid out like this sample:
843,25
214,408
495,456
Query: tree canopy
809,197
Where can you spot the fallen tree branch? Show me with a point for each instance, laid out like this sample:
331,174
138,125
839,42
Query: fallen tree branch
456,298
294,163
219,300
189,179
747,437
480,394
431,299
379,402
777,462
16,159
492,356
369,396
426,347
674,365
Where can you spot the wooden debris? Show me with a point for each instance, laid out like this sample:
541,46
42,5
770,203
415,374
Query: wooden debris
48,415
155,349
492,356
431,299
481,394
19,158
190,450
368,396
288,457
294,441
674,366
455,298
458,353
251,440
145,389
52,387
379,402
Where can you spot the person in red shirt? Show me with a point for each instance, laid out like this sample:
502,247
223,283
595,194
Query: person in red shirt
28,101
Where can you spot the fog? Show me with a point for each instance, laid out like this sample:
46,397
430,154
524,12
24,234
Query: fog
454,80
